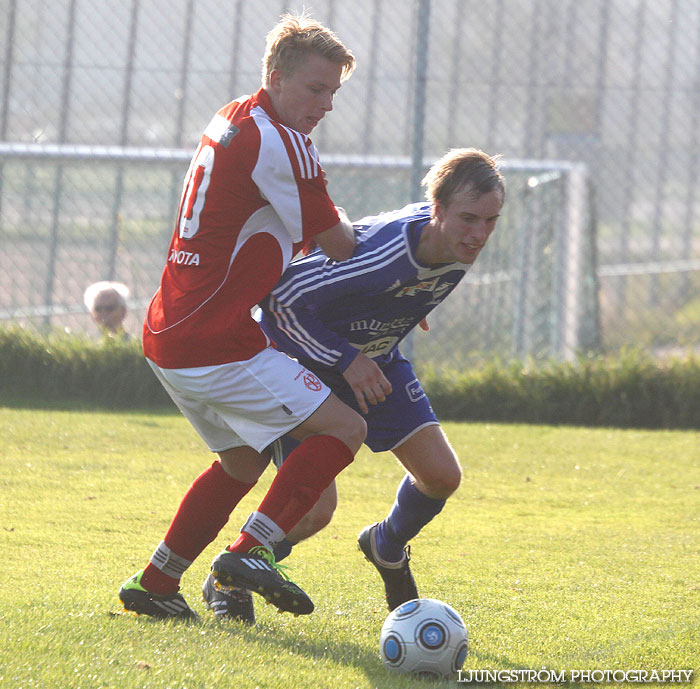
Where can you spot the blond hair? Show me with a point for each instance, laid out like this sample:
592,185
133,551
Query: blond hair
463,168
295,37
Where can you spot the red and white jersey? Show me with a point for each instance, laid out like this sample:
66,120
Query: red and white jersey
253,195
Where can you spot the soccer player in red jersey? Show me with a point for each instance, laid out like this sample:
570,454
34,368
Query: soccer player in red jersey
253,196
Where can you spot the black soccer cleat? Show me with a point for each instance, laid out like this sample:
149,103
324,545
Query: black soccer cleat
135,598
399,584
231,603
258,572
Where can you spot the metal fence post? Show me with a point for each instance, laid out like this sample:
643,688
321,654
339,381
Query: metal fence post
123,140
419,97
7,81
662,182
58,184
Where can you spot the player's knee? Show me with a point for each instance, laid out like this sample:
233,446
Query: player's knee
352,430
442,484
359,432
452,480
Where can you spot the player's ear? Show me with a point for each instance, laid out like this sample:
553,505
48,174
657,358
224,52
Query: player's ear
275,79
438,211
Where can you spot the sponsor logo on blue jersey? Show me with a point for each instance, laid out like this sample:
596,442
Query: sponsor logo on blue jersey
422,286
436,287
440,292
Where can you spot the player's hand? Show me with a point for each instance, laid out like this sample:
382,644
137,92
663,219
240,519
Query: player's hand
423,325
308,247
367,382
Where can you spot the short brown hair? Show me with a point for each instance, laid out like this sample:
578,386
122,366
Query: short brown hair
462,168
295,37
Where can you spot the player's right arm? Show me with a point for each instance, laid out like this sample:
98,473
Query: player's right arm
338,242
367,381
290,177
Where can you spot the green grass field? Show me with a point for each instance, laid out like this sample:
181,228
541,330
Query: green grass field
564,548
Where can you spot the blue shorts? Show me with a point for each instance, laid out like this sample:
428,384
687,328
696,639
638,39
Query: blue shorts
390,423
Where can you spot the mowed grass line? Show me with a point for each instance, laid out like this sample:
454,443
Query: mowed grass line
566,548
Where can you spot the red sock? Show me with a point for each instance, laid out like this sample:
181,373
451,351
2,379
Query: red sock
203,512
305,474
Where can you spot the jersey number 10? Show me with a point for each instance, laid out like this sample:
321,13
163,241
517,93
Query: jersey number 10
194,191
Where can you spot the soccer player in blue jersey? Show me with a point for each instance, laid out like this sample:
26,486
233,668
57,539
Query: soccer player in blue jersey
344,320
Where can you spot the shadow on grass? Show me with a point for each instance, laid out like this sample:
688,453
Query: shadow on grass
369,661
356,655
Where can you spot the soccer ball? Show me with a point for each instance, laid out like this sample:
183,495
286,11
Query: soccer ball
424,637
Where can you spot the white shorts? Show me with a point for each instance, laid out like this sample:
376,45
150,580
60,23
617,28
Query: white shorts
251,402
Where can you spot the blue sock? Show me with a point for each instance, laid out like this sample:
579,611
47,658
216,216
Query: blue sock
282,549
411,511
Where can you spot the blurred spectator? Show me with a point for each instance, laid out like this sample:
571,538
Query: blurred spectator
106,302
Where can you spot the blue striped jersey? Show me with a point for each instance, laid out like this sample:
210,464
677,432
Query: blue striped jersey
324,311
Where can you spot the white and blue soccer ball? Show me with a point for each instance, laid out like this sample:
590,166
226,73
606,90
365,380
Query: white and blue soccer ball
424,637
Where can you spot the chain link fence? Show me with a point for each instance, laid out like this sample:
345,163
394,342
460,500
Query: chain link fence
595,107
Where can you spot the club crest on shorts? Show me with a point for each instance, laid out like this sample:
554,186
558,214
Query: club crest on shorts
311,381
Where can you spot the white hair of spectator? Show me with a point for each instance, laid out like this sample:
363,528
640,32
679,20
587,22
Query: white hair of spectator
105,286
